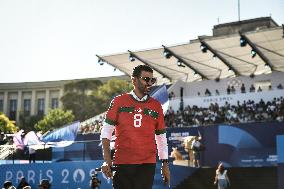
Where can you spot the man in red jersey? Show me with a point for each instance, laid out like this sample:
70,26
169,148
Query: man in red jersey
138,122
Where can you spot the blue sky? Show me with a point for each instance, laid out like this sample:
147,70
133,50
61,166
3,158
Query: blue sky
47,40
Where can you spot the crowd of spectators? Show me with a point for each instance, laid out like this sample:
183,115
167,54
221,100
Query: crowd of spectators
243,112
93,126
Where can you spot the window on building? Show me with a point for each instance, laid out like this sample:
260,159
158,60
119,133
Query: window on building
1,106
40,106
27,107
13,109
54,103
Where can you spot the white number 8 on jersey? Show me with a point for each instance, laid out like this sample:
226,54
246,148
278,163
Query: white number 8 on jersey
137,120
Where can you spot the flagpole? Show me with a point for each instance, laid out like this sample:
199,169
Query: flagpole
239,10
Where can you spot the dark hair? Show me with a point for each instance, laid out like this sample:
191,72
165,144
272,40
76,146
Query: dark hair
221,168
7,184
138,69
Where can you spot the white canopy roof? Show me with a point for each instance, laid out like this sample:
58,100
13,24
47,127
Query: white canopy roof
229,60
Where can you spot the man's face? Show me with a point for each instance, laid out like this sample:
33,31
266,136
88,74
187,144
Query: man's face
144,83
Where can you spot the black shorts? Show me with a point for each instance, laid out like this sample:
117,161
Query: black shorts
134,176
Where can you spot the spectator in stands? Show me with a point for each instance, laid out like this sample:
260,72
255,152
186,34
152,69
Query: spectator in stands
179,119
233,90
269,87
228,89
171,117
198,93
243,88
252,89
171,95
22,183
207,92
44,184
217,92
221,177
259,89
279,86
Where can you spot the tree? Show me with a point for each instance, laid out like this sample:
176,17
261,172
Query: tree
110,89
55,118
6,125
28,122
87,98
78,98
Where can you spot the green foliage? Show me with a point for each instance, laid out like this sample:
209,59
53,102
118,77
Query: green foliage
55,118
78,98
112,88
87,98
109,90
6,125
28,122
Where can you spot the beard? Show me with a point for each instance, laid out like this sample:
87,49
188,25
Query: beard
143,89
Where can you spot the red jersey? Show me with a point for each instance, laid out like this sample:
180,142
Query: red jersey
136,123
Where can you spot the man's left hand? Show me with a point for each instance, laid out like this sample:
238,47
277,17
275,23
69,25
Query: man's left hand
165,171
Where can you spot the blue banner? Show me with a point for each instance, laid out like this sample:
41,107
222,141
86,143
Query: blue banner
66,133
280,148
73,175
280,153
240,145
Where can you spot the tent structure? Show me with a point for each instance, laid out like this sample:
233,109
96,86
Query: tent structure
250,49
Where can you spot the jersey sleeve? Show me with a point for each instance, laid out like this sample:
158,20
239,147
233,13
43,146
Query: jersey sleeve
112,112
160,126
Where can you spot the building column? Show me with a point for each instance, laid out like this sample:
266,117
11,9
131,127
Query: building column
33,102
5,103
61,92
19,106
46,101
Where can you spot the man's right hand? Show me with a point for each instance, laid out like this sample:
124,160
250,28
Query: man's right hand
106,169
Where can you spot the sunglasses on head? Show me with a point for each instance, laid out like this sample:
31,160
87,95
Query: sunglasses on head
148,79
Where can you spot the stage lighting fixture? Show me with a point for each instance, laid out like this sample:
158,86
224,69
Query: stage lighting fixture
230,70
203,48
101,62
167,54
131,58
243,42
267,65
253,53
179,64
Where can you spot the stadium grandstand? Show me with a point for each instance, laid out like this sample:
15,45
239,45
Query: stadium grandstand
226,88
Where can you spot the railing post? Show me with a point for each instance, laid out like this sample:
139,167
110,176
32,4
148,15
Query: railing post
43,153
84,151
